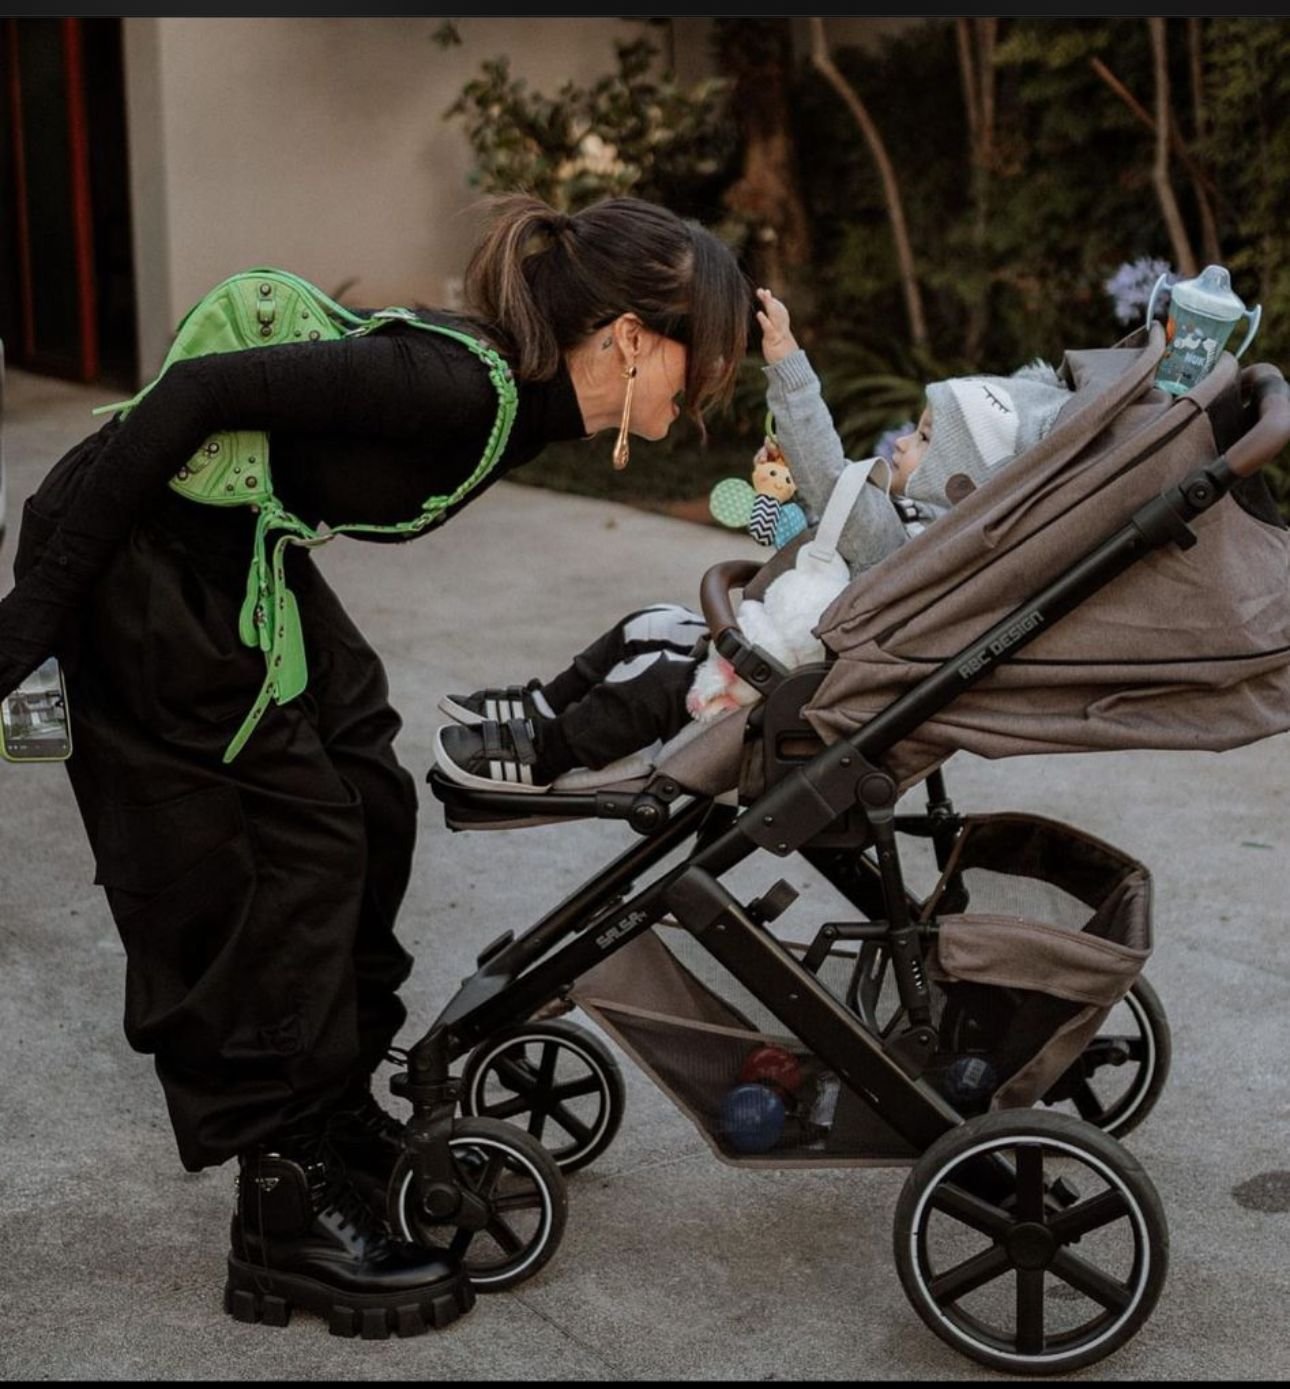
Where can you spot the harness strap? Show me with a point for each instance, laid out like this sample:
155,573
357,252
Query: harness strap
838,509
522,741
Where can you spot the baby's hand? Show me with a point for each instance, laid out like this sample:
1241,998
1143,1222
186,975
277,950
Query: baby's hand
777,339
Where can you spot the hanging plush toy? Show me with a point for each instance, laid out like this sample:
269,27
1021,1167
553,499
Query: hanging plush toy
766,509
783,621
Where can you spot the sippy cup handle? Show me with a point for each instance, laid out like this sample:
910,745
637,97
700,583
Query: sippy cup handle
1254,315
1155,290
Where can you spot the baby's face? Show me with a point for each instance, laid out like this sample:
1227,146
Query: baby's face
909,451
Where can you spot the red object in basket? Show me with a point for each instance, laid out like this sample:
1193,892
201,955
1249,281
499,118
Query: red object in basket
772,1065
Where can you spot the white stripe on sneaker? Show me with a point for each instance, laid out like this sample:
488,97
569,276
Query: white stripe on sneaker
498,777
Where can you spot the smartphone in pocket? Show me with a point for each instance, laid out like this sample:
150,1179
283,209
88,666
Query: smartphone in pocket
34,726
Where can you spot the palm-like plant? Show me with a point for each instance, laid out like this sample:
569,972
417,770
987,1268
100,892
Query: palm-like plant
871,390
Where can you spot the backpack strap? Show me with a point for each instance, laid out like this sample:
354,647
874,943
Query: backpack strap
503,381
270,617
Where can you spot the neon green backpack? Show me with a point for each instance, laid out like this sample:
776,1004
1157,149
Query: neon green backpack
261,308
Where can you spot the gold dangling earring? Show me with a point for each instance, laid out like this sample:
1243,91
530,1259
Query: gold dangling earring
620,446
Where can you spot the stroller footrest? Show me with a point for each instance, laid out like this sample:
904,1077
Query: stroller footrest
466,807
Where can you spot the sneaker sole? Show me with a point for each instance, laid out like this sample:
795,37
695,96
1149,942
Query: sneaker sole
255,1294
460,777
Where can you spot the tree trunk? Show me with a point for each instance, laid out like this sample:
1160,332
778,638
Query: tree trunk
976,41
758,53
1206,194
1196,59
1184,258
1208,226
890,188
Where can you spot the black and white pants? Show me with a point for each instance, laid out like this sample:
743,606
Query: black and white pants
624,692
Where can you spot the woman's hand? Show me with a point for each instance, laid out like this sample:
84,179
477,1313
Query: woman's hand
777,339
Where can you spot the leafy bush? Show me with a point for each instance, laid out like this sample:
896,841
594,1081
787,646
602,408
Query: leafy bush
631,132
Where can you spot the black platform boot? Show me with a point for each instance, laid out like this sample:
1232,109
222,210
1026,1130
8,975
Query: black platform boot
303,1237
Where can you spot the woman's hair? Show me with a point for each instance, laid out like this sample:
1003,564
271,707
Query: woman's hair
543,280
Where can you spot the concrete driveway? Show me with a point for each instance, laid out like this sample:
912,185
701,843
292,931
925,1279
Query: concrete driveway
674,1266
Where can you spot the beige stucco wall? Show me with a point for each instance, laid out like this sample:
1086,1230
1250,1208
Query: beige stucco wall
318,145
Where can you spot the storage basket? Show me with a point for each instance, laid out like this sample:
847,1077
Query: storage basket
1040,930
1049,928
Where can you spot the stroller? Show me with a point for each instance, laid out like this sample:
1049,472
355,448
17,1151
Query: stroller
995,1036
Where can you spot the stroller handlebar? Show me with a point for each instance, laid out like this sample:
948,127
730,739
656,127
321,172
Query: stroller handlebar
715,589
1271,432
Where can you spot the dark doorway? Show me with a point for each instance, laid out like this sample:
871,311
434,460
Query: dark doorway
66,271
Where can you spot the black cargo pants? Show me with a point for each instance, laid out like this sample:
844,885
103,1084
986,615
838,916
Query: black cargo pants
256,901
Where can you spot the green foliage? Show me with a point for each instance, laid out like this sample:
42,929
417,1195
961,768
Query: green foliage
631,132
1069,193
870,392
1070,196
1248,71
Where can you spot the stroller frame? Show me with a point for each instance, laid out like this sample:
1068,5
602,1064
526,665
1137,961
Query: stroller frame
840,798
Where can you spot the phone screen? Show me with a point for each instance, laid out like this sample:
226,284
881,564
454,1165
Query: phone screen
33,718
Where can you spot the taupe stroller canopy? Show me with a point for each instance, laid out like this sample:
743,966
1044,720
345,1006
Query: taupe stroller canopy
1191,649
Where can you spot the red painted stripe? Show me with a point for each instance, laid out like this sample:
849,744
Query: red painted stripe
20,188
82,217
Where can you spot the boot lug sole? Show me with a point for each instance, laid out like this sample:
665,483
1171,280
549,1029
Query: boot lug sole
255,1294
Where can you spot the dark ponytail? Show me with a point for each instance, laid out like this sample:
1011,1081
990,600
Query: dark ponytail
542,281
497,288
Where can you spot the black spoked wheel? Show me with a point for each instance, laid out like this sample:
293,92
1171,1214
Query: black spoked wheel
554,1079
1031,1241
1116,1080
524,1205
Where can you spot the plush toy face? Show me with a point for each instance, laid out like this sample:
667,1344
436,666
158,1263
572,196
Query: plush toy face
771,478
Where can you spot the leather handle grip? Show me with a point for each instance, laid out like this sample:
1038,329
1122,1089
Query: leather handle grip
1271,432
715,589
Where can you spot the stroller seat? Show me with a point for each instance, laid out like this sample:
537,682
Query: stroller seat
1188,653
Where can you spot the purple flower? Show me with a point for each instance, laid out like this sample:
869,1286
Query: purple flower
1130,287
886,445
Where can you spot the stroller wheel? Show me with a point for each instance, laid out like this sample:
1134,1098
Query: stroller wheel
1031,1241
555,1079
525,1198
1116,1080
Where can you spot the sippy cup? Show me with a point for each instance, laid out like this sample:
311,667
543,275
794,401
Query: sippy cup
1202,314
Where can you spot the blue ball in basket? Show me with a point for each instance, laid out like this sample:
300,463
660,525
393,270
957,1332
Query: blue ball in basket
752,1118
969,1080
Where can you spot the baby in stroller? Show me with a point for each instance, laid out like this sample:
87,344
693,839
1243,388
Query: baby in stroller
639,684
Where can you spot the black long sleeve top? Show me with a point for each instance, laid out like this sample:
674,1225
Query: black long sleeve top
362,429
